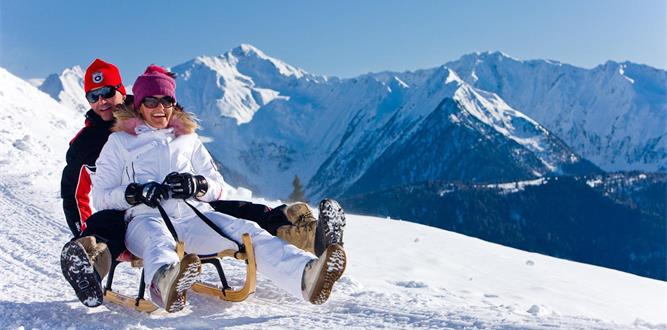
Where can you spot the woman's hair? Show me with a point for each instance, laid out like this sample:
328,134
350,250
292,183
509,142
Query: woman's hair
128,118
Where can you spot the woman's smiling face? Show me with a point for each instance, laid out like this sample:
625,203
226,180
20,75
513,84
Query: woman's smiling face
156,110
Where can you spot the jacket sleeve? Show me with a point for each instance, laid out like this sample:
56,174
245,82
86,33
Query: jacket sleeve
75,183
203,164
108,187
68,193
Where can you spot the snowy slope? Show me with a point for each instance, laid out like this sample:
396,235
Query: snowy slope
32,122
614,114
400,274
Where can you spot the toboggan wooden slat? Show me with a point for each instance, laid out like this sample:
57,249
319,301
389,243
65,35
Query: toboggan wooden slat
231,295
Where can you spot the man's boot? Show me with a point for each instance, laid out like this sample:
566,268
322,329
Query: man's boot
330,226
301,233
301,236
84,263
170,282
299,213
320,274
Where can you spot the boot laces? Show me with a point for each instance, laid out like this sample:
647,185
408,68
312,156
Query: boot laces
302,225
302,221
94,253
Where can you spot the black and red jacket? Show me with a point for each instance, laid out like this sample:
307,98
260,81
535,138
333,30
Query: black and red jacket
75,184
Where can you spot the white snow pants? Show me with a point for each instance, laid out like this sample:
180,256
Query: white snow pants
148,238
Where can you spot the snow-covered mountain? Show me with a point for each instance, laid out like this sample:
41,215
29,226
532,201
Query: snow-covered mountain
67,88
400,274
236,84
503,120
269,121
614,114
442,129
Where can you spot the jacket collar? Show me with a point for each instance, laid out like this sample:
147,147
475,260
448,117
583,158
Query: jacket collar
145,128
93,119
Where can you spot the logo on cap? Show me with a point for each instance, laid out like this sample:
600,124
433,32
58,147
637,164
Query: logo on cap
98,77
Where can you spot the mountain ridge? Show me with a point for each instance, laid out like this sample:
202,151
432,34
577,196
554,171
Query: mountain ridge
269,110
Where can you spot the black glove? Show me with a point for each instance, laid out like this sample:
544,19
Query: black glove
186,185
151,193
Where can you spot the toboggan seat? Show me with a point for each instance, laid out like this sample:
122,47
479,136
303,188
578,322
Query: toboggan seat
227,293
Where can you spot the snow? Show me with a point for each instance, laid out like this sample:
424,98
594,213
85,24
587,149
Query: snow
284,69
233,84
492,110
32,122
36,81
594,182
67,88
399,275
512,187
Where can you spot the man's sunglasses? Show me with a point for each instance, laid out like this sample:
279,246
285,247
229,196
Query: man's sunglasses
105,92
152,102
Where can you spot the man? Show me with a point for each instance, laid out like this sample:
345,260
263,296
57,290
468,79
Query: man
99,237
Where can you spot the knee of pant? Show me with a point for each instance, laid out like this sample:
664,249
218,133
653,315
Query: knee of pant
159,242
162,246
251,227
164,243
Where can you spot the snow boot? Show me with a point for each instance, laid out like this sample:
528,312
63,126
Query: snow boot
330,226
299,214
302,236
170,282
84,263
301,233
320,274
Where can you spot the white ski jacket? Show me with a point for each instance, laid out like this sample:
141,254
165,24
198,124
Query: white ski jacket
149,155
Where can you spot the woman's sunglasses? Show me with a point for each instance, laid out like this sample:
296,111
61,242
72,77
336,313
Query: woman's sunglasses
152,102
105,92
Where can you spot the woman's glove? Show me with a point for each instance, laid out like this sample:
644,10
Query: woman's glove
151,193
186,185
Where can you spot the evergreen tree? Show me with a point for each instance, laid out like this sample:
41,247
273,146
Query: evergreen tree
297,194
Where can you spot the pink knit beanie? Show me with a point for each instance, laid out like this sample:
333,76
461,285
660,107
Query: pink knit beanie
155,81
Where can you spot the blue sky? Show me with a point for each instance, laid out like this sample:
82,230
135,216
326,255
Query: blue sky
336,38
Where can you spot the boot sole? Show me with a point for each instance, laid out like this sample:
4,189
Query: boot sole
80,274
188,275
335,266
331,224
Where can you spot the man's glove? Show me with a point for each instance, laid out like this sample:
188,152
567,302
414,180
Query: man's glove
151,193
186,185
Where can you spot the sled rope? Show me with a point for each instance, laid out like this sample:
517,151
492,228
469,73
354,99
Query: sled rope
167,221
216,263
241,247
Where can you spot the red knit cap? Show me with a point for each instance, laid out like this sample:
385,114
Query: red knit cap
100,74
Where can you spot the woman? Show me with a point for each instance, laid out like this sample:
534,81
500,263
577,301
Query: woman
157,140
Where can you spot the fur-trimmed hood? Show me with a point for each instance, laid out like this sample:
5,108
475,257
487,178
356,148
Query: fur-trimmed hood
127,120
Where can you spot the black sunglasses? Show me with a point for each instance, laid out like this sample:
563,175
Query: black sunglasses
152,102
105,92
